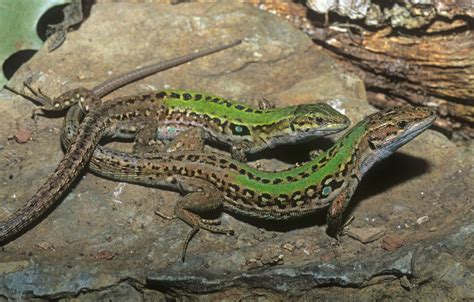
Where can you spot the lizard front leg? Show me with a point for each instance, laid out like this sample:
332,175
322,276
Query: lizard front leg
239,150
146,142
337,208
189,140
201,197
153,139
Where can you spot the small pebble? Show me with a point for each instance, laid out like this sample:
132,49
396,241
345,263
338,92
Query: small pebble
45,246
22,136
422,219
288,247
254,263
273,260
391,243
299,243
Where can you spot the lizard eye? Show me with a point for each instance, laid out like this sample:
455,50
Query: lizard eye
319,120
240,130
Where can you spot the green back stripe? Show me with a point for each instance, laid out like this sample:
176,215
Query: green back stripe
346,146
231,114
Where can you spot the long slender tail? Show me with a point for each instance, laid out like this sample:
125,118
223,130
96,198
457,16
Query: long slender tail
121,80
69,168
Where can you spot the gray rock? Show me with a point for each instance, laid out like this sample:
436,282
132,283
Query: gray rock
104,240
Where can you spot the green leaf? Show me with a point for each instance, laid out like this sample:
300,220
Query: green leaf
18,20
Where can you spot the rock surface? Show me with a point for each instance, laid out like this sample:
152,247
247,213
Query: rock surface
104,240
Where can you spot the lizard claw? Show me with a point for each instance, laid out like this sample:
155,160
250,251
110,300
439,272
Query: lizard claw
343,230
36,112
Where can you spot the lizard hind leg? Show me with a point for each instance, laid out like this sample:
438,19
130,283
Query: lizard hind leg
202,197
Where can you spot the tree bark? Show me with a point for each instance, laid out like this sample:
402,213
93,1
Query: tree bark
423,56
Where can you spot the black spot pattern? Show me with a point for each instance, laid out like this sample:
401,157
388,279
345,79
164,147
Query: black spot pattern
240,130
187,96
160,94
277,181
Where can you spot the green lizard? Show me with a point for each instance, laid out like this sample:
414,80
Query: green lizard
248,129
211,180
245,129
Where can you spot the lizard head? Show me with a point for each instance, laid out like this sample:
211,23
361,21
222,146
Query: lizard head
318,119
389,129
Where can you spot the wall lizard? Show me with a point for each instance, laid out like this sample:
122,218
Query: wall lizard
221,119
211,180
245,129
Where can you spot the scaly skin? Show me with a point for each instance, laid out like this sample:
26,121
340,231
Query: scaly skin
129,115
89,133
245,129
211,180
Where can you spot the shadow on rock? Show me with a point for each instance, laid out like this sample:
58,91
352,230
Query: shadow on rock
318,218
395,170
294,153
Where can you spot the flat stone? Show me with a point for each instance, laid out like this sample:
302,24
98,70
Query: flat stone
366,235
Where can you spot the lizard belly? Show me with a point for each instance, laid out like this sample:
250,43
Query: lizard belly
169,130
